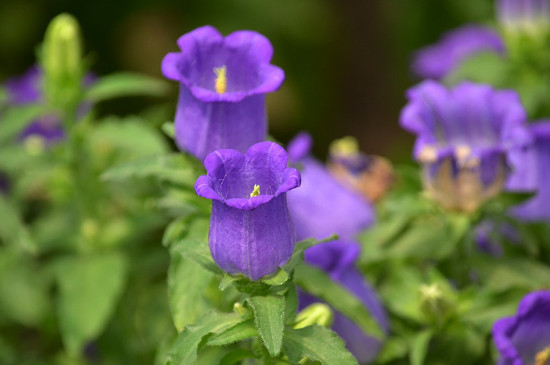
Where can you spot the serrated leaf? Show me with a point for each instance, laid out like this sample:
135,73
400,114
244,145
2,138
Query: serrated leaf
269,314
12,229
317,283
15,118
89,288
239,332
316,343
184,350
125,84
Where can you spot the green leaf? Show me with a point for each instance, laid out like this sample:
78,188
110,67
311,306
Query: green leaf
12,229
316,343
204,259
501,274
419,347
291,298
184,350
227,280
169,129
187,282
15,118
316,282
125,84
24,288
269,315
175,168
89,288
236,356
240,331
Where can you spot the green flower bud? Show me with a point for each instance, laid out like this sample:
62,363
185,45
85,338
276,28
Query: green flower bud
435,303
316,313
62,59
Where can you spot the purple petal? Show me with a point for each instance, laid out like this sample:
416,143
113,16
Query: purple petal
521,337
300,146
438,60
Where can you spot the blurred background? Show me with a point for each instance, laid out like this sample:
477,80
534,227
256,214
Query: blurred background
346,61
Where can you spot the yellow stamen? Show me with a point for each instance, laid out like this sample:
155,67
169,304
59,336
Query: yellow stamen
346,146
256,191
543,357
220,84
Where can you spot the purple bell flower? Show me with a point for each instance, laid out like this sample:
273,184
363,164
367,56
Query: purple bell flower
27,89
337,258
468,137
524,339
223,85
322,206
438,60
250,227
533,174
526,16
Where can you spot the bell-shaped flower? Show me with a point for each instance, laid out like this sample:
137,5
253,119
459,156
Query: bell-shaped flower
468,138
338,258
322,206
524,16
438,60
251,231
223,85
368,175
524,339
533,174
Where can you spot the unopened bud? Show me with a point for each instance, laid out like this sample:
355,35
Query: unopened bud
435,303
62,55
316,313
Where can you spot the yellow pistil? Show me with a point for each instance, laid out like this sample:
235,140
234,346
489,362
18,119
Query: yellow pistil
220,84
256,191
543,357
346,146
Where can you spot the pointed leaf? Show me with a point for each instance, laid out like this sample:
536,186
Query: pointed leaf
269,318
184,350
316,343
125,84
241,331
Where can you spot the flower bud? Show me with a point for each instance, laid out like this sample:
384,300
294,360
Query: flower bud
435,303
61,58
316,313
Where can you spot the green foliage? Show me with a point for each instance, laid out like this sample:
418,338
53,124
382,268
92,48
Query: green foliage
316,343
269,315
89,288
184,350
125,84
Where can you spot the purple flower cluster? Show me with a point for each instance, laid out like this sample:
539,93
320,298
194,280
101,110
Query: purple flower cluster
321,207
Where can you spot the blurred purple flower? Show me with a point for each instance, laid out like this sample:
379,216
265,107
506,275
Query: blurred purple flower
251,231
533,175
525,337
223,86
438,60
322,206
467,138
27,89
337,258
524,15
